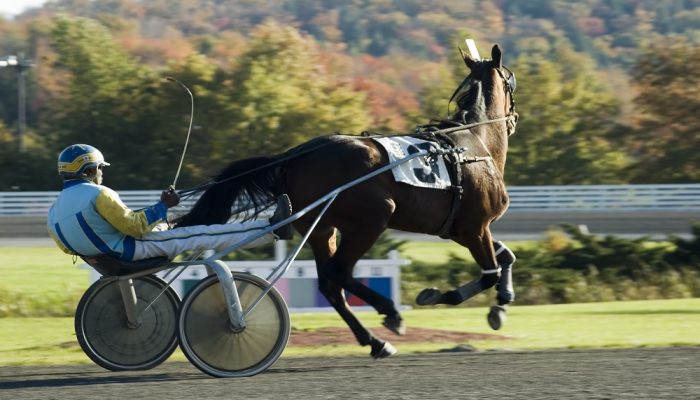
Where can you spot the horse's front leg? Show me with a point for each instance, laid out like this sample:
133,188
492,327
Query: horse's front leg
505,259
481,248
496,261
504,288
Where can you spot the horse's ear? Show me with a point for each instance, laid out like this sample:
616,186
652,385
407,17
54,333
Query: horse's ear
468,60
496,56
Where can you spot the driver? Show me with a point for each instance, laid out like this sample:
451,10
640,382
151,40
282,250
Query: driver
88,219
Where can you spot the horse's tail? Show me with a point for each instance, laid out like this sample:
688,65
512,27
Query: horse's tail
251,183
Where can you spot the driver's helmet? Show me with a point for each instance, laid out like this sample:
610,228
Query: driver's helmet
74,159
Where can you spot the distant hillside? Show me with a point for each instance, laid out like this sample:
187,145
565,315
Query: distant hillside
605,87
610,30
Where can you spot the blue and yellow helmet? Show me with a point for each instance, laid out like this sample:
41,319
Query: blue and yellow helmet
74,159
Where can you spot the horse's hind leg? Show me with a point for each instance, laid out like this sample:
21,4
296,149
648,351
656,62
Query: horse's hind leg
323,243
340,267
352,246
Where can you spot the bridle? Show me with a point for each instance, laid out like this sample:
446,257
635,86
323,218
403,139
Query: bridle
509,84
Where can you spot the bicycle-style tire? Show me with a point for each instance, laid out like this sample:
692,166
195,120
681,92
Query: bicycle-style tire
103,332
211,345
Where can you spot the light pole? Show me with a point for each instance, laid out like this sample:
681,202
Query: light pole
22,66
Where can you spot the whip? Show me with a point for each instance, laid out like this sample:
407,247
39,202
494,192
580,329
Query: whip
189,130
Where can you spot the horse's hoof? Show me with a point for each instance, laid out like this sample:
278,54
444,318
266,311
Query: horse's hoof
387,350
395,324
428,297
496,317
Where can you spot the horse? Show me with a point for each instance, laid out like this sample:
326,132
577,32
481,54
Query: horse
484,119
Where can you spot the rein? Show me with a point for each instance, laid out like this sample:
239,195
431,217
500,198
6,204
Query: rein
510,120
192,190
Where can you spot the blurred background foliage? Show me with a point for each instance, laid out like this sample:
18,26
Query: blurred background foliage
568,266
606,90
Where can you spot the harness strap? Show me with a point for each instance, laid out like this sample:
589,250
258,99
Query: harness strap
453,160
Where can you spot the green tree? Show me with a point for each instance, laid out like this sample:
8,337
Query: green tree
112,102
668,138
566,114
282,96
211,88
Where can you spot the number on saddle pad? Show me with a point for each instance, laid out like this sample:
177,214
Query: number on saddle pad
420,171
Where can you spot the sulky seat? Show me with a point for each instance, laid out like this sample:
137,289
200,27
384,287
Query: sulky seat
112,266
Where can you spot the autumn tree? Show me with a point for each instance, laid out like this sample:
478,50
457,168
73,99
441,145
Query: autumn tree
566,115
667,139
109,101
282,96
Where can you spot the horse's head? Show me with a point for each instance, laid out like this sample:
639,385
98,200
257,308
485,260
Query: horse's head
487,92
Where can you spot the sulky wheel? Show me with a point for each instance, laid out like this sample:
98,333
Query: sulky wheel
104,333
210,343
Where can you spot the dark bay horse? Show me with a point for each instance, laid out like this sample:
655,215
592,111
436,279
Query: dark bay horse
484,119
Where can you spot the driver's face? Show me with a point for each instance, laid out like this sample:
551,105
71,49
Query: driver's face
97,179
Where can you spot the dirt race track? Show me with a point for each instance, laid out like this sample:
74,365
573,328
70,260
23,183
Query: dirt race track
672,373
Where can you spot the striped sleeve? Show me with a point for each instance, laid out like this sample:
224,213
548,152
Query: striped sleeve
126,221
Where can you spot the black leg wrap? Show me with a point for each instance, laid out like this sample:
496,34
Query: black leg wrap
506,256
469,290
488,281
506,259
453,297
506,294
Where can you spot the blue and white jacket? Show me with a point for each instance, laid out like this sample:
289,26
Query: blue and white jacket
88,219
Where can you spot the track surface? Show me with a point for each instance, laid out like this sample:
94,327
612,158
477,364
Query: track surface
672,373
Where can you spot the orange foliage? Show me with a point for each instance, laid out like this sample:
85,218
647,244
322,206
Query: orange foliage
387,104
154,51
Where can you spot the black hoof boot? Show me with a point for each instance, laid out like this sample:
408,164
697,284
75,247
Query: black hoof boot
496,317
428,297
395,324
382,350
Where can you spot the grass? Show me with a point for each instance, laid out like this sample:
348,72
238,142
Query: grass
655,323
40,271
39,282
46,273
439,252
432,252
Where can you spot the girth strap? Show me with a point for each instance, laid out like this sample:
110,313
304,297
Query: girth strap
453,161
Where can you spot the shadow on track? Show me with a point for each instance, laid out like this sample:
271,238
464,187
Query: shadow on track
80,379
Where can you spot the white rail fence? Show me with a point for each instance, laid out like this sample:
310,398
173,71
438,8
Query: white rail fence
613,198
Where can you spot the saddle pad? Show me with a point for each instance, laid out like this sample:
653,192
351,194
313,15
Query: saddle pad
420,171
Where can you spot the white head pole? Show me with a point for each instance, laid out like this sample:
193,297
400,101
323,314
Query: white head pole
471,45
